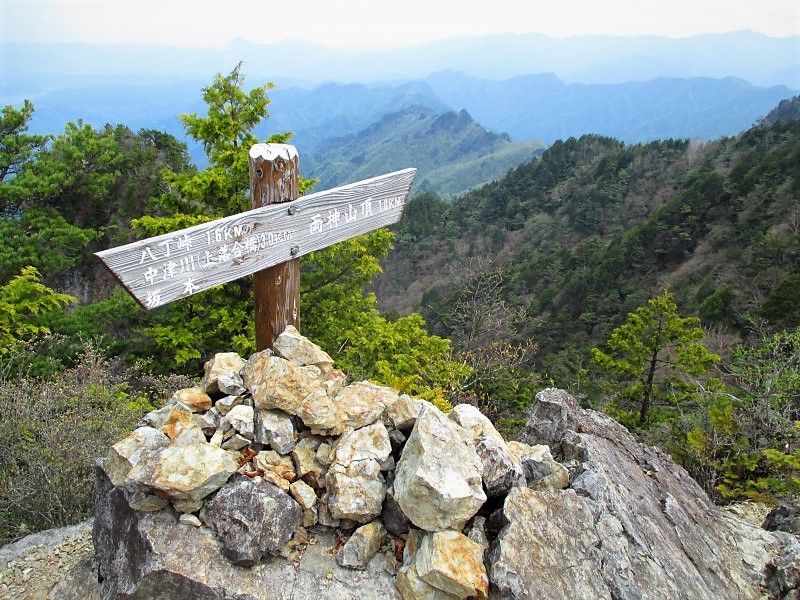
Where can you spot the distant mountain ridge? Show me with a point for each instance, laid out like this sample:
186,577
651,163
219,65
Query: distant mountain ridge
333,110
755,57
537,107
451,151
543,107
524,85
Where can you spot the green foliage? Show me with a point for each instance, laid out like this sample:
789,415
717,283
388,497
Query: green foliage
44,239
84,186
782,306
226,133
75,176
22,299
653,342
786,110
332,285
64,198
592,229
718,307
473,310
744,443
184,334
340,317
401,354
107,323
17,148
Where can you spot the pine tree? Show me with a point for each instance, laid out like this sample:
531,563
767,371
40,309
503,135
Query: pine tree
655,340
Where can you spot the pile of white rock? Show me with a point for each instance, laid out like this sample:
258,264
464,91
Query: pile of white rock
264,450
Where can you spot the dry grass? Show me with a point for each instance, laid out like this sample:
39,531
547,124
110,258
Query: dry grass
53,429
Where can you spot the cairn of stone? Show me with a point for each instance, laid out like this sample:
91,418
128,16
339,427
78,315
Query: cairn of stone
264,448
275,479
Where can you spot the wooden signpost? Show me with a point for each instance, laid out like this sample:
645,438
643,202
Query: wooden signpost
265,241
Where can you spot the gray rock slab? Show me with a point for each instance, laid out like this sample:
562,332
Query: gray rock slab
632,525
252,518
150,556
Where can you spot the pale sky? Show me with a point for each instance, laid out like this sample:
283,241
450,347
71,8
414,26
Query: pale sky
214,23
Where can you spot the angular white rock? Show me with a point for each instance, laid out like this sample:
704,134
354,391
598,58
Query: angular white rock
224,405
304,494
124,455
453,563
362,545
241,419
370,442
195,398
183,472
355,492
501,471
277,383
438,477
300,351
223,363
274,428
541,470
403,413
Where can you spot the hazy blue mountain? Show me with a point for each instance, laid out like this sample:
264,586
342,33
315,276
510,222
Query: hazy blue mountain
535,87
545,108
452,152
758,58
535,107
334,110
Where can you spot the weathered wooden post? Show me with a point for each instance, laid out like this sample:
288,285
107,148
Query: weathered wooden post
274,171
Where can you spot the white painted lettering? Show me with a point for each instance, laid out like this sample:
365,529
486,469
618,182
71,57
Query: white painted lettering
333,218
209,261
169,269
350,215
153,299
184,242
316,224
166,244
150,275
366,207
187,264
189,287
146,252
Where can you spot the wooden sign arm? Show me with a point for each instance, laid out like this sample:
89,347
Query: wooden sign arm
175,265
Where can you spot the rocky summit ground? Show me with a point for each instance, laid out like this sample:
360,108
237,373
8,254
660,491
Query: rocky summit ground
58,564
54,564
356,499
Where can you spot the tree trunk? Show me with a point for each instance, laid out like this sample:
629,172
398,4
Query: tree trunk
648,387
651,373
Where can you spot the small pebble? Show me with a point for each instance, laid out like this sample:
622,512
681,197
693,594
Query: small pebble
189,519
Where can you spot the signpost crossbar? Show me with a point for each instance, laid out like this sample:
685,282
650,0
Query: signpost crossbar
176,265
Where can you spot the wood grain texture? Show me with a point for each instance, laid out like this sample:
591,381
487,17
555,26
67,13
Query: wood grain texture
274,178
175,265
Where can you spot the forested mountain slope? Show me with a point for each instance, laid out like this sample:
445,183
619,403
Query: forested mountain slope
594,228
452,152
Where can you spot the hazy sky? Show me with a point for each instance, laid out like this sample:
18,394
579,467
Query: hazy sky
354,22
